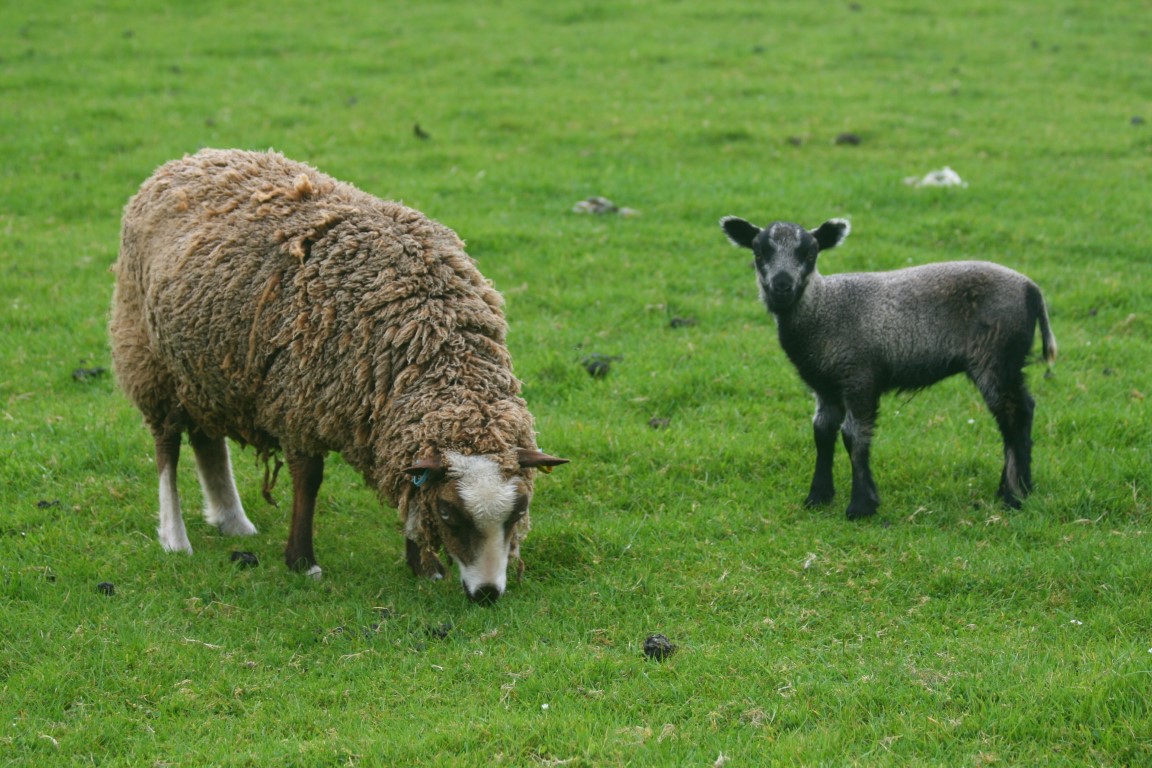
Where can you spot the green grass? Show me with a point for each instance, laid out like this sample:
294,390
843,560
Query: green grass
946,631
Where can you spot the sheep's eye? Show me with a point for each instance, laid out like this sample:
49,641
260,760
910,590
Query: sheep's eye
518,512
449,515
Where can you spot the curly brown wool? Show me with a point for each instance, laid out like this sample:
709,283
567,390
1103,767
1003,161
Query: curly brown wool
261,300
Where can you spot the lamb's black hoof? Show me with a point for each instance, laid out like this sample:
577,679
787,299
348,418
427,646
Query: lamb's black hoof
1011,500
818,499
859,511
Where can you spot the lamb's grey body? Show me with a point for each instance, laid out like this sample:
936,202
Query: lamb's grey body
853,337
260,300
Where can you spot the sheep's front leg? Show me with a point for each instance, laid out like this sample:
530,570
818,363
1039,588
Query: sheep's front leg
307,475
825,424
222,506
857,432
423,561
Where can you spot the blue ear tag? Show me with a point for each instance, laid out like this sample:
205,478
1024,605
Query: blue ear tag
420,479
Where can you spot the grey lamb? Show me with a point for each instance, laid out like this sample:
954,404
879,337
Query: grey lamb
853,337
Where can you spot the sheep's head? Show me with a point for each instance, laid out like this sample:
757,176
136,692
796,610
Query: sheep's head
472,507
785,255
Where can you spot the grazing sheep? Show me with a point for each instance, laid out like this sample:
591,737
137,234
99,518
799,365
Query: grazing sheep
853,337
261,300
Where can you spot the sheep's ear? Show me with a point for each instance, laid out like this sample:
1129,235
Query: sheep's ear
530,457
425,469
831,233
421,465
739,231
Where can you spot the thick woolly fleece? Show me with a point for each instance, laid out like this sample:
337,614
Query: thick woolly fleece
262,300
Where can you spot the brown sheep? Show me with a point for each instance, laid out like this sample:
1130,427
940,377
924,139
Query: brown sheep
260,300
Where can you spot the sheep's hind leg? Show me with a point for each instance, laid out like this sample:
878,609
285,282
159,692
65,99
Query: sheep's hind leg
857,431
1015,421
171,532
307,475
1012,407
222,506
825,424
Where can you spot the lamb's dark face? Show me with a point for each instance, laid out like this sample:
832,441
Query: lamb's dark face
785,255
477,509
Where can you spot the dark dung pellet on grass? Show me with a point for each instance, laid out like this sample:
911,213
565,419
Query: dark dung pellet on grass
106,588
598,365
440,631
658,647
245,559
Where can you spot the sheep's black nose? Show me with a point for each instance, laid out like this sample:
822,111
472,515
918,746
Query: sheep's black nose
485,594
781,284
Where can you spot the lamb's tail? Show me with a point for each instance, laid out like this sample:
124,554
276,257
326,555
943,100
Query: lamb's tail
1040,311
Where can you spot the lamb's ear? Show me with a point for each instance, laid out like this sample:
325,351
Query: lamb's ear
831,233
739,231
530,457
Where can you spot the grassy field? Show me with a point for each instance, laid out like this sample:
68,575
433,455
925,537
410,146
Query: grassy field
944,631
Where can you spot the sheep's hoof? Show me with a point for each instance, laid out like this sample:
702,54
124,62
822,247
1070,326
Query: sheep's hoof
1011,500
314,573
818,499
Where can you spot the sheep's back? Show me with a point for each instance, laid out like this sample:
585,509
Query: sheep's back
913,326
292,308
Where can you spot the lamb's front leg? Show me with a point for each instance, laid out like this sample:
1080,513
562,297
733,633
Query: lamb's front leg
825,424
857,432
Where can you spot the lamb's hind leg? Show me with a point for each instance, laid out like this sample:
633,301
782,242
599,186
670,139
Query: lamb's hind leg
222,506
1013,407
825,424
1016,477
171,532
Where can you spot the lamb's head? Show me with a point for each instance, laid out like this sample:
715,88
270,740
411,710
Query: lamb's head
785,255
473,507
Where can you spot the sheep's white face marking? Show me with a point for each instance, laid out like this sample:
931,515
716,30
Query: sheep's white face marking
487,496
477,525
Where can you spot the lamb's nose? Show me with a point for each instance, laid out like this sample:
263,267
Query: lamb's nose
781,284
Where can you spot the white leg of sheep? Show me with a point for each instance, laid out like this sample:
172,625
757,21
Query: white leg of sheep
173,536
222,506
